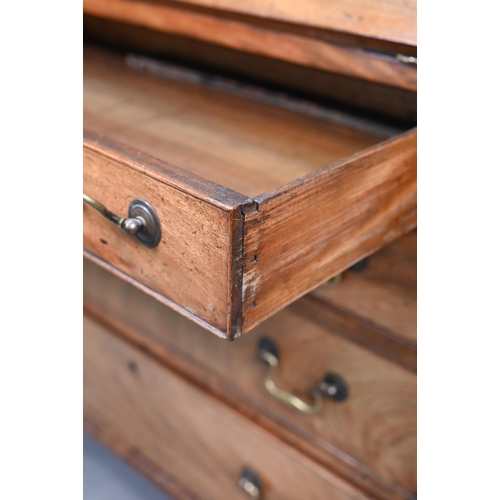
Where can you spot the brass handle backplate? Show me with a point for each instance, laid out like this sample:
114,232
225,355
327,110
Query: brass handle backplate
142,221
332,386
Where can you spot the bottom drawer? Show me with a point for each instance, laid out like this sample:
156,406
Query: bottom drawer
162,423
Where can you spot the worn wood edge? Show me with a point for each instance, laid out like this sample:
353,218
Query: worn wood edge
381,341
178,178
370,65
333,169
332,459
235,273
158,296
235,307
121,446
235,295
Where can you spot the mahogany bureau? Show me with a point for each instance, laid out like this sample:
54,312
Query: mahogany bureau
250,245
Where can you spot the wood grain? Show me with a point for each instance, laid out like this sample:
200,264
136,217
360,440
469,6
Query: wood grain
368,96
394,20
124,448
316,227
196,439
283,44
200,240
242,145
370,439
377,308
391,346
385,293
226,260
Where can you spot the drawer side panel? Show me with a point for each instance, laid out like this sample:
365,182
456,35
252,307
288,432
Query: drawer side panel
318,226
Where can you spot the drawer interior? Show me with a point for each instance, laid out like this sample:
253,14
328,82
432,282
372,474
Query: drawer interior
248,146
261,196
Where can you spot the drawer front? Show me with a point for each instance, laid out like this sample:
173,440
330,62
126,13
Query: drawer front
199,239
370,437
196,440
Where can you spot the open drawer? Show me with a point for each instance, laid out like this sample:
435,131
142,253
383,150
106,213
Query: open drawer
257,203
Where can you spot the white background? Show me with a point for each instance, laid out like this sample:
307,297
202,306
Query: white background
41,241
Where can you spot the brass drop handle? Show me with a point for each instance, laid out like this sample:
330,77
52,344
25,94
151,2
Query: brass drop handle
332,386
142,221
251,483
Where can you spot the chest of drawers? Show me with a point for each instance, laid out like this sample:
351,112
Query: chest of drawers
233,201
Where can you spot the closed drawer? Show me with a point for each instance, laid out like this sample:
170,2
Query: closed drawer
369,438
263,204
171,429
385,292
